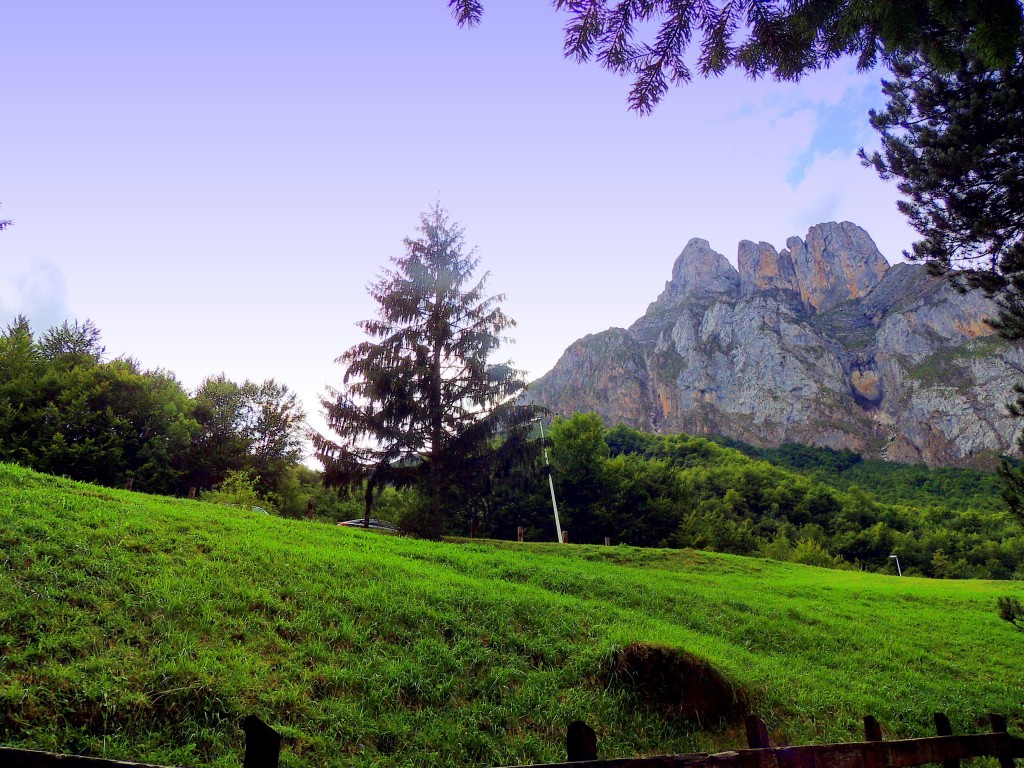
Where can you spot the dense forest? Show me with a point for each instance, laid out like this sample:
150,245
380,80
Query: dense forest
67,411
807,505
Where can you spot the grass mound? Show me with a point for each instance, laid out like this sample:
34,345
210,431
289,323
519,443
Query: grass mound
674,683
145,628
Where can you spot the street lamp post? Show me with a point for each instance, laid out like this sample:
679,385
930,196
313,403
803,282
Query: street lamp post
899,570
551,483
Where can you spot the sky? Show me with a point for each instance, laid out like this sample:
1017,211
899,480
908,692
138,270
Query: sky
215,185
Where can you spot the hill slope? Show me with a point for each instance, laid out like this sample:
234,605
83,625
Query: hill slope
133,625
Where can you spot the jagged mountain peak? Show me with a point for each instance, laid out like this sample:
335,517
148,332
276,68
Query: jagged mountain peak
820,343
699,268
835,262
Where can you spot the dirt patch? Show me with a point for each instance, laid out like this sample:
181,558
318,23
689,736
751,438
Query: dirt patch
674,683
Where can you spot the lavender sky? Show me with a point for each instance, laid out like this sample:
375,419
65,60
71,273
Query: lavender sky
215,184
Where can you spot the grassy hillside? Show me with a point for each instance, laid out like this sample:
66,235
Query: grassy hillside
144,628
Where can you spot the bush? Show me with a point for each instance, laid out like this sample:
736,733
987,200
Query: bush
238,490
1011,610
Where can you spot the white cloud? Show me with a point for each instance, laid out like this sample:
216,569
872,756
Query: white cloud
39,292
835,187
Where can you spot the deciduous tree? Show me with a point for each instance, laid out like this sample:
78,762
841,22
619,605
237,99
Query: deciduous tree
72,341
579,455
247,426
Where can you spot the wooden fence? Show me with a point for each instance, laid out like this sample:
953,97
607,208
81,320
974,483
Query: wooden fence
263,746
945,749
262,749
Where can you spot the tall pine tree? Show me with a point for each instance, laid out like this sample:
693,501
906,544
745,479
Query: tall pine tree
953,139
660,43
422,405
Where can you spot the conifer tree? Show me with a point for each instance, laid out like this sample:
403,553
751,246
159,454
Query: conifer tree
664,42
421,404
954,142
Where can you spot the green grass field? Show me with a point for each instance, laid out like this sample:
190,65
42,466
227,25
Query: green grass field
144,628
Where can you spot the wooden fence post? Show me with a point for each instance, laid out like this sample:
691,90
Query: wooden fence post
128,484
999,726
191,491
757,732
565,536
580,742
943,728
309,509
262,744
519,534
872,730
607,541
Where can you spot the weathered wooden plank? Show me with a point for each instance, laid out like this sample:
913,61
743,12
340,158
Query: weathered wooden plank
873,732
826,756
896,754
263,745
787,757
756,758
28,758
696,760
938,749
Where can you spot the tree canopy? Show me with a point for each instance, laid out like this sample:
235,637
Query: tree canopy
422,404
796,503
954,142
67,411
662,42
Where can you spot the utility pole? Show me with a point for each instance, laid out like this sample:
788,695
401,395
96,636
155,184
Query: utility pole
899,570
551,484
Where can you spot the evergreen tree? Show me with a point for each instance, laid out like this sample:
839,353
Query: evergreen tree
954,142
421,403
650,40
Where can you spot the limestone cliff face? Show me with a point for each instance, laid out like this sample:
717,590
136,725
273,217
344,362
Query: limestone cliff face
835,263
605,373
820,343
763,269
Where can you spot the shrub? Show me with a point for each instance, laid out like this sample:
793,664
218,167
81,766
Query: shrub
1011,610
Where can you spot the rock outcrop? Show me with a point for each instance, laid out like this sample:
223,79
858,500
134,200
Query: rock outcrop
819,343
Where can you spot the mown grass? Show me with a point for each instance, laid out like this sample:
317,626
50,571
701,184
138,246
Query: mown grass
145,628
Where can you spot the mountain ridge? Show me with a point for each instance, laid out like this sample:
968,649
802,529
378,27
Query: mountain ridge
822,342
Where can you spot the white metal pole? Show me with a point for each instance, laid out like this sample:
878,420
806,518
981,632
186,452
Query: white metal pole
551,484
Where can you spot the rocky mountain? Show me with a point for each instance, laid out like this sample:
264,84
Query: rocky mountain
821,343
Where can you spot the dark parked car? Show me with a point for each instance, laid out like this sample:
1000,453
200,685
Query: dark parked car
375,525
